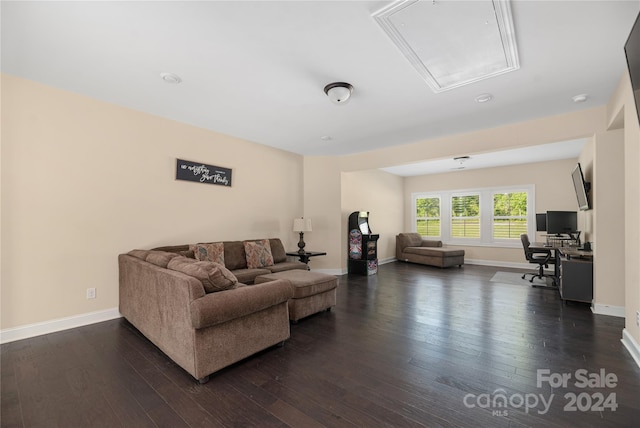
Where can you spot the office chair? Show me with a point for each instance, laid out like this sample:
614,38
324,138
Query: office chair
541,257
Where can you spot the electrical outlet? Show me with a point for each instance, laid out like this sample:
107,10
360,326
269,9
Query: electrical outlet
638,318
91,293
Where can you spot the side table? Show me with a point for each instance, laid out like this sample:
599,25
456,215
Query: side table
306,255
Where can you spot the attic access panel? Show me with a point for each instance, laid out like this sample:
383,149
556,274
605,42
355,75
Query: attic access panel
453,43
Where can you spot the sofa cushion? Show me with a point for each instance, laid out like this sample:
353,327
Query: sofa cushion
277,250
189,254
173,248
247,276
434,251
211,252
258,253
282,266
140,254
160,258
213,276
234,256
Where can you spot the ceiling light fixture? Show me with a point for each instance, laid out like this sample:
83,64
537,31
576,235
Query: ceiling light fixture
338,92
171,78
461,160
484,98
580,98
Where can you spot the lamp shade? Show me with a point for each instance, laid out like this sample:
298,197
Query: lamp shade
302,225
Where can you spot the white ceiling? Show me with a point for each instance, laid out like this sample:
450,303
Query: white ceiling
256,70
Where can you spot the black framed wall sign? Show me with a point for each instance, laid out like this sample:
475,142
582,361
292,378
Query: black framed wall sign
202,173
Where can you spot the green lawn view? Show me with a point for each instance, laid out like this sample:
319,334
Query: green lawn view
461,228
509,215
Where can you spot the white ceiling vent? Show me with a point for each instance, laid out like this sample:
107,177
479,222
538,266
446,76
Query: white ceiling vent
453,43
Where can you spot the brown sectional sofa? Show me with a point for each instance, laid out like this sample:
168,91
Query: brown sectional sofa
411,247
174,301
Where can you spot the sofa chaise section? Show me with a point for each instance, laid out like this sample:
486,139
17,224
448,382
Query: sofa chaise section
412,247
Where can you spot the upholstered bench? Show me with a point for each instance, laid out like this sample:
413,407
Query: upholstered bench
312,291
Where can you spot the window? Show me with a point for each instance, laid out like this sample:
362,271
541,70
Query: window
480,217
509,215
465,216
428,216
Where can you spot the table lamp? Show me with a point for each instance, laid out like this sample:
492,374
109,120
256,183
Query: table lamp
301,225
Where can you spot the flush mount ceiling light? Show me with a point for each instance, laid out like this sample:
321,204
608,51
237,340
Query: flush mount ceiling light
483,98
461,160
171,78
580,98
338,92
452,43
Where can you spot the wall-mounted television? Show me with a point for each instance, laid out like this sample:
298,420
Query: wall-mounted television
582,188
632,52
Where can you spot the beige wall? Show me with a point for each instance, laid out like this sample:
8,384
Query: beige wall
83,181
606,173
322,205
621,112
380,193
553,186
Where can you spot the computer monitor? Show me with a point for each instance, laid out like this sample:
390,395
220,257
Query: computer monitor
562,222
541,222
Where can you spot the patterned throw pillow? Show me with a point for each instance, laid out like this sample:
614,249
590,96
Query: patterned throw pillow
258,253
212,252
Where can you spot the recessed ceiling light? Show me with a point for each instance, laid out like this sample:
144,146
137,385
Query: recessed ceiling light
170,78
580,98
483,98
326,138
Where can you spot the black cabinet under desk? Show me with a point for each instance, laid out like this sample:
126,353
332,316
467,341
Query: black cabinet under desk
576,279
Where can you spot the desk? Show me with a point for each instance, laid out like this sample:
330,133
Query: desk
573,271
306,255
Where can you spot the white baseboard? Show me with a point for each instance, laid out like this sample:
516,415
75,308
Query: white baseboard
632,346
334,272
339,272
614,311
497,263
38,329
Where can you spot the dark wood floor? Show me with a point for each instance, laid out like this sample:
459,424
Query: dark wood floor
411,346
